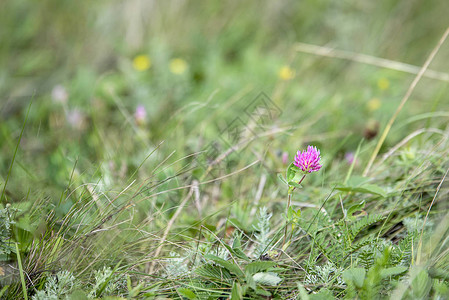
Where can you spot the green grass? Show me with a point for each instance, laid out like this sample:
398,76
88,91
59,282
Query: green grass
186,202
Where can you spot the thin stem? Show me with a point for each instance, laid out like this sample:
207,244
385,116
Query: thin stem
286,221
289,201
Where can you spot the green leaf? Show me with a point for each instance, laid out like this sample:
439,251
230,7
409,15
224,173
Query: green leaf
363,223
257,266
236,292
231,267
186,293
293,215
364,189
237,248
214,272
355,208
357,180
263,292
77,295
441,289
237,242
237,252
299,174
392,271
421,285
303,295
250,281
295,184
355,276
290,213
281,178
323,294
291,172
438,274
267,278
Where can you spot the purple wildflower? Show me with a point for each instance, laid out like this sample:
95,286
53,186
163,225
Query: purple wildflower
140,114
308,161
349,156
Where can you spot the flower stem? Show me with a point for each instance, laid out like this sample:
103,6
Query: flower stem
289,200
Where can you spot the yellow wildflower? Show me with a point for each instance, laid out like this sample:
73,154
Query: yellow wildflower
141,62
383,84
178,66
286,73
373,104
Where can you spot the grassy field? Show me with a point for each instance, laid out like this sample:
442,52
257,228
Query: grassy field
146,149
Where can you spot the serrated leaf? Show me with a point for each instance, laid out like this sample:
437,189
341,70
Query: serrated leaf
267,278
358,226
230,266
211,271
392,271
355,276
257,266
186,293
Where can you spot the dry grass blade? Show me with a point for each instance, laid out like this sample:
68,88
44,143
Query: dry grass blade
369,60
404,100
407,139
427,215
172,221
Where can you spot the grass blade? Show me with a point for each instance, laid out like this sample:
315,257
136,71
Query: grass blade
22,276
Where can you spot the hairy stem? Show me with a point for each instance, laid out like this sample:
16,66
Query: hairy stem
289,201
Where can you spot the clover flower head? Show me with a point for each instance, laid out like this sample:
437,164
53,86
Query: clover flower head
308,160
